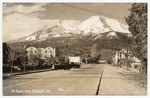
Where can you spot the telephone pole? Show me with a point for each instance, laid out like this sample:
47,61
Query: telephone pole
24,59
127,56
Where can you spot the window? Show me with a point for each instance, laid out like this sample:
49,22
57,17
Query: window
45,51
35,51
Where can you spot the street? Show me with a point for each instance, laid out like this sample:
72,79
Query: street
83,81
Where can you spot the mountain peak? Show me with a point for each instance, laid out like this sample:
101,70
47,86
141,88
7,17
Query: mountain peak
101,24
92,24
63,28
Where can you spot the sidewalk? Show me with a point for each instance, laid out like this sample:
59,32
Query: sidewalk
113,83
7,75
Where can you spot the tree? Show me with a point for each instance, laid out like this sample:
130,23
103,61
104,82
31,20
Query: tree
6,53
107,55
94,53
93,50
137,21
11,59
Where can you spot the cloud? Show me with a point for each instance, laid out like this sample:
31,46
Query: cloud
22,8
17,25
20,20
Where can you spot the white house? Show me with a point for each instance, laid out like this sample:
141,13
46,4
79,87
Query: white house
31,51
116,58
121,55
136,63
41,52
50,52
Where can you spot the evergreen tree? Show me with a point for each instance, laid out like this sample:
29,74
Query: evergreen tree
137,21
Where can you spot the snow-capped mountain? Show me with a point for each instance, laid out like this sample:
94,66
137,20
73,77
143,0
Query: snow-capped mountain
53,28
101,24
65,28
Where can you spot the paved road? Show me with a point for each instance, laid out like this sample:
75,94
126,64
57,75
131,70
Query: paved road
83,81
115,82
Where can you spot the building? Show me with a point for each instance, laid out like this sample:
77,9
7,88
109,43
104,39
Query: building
31,51
50,52
136,63
41,53
122,54
116,58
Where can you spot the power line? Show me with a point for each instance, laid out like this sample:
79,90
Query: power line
89,10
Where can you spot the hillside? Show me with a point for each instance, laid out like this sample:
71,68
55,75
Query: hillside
94,25
75,38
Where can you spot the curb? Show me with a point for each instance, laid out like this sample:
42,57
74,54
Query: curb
22,73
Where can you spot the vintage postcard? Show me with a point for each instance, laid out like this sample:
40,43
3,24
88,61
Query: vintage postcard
97,49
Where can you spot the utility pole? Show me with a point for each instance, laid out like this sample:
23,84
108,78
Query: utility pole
67,51
12,59
127,45
24,59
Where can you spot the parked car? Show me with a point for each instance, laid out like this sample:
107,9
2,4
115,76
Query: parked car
59,65
75,65
67,63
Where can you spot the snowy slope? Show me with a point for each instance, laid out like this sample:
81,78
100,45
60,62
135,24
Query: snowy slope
101,24
64,28
53,28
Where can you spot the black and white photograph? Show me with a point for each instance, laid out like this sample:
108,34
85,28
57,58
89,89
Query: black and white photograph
63,48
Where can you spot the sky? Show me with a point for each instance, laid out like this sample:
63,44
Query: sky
23,19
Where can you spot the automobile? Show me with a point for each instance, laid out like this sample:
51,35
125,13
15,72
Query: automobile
59,65
74,61
75,65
